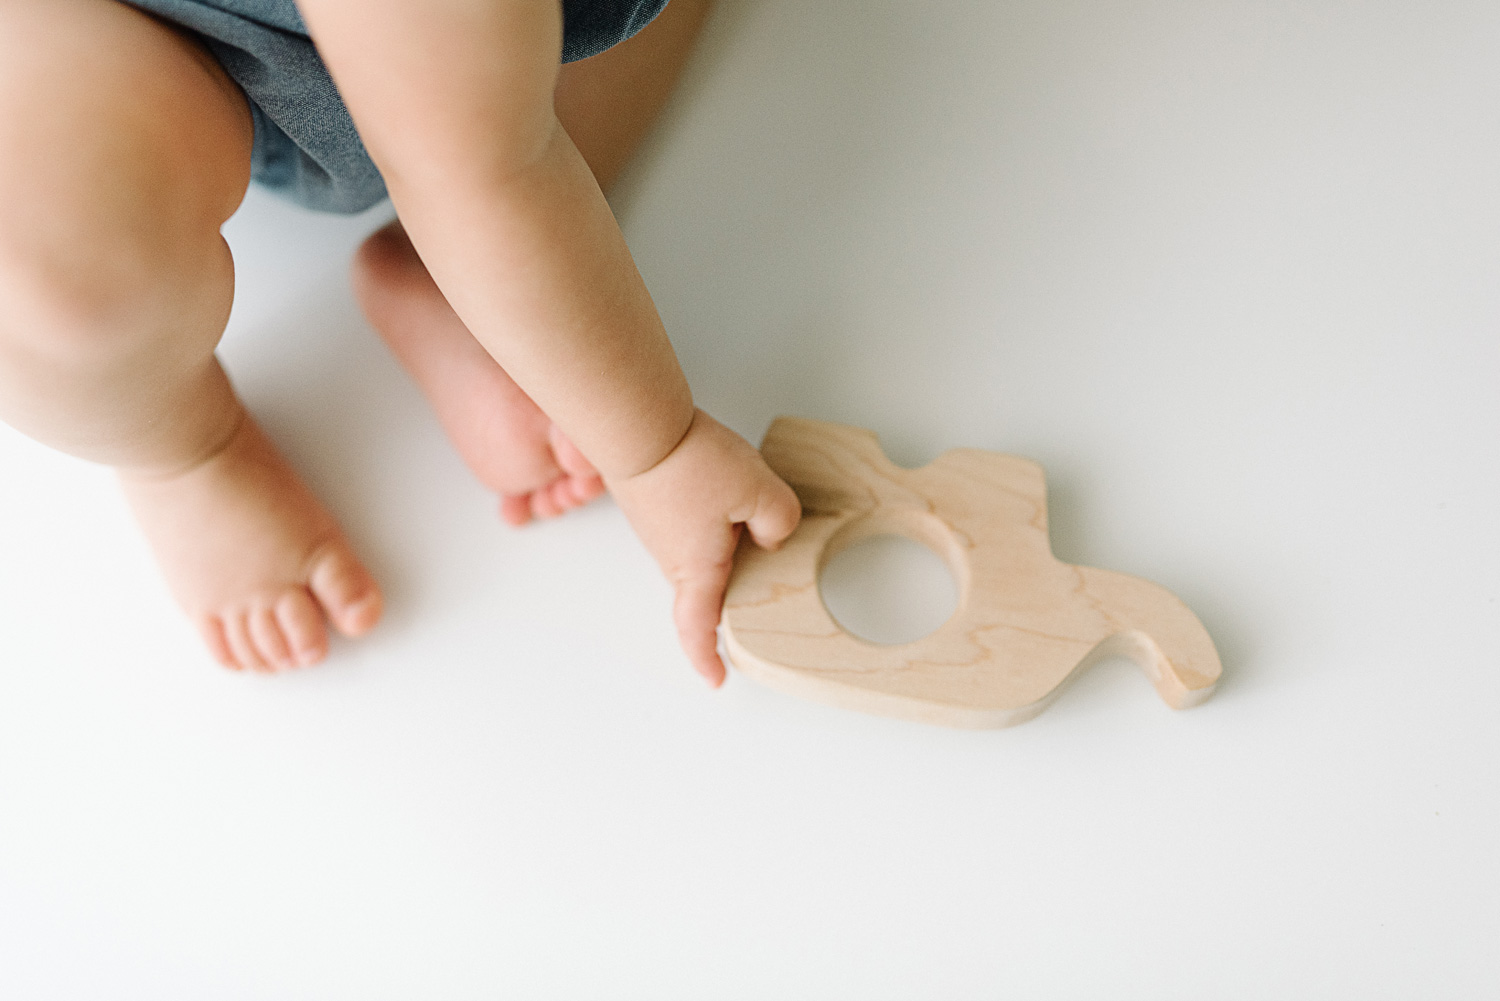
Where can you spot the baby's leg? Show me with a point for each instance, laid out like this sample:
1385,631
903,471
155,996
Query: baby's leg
123,148
607,104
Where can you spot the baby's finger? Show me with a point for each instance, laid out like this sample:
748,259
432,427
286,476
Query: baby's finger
696,613
777,512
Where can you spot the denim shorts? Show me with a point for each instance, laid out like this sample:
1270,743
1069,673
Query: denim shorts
306,146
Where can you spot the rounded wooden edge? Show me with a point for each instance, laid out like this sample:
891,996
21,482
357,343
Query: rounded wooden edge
828,691
907,521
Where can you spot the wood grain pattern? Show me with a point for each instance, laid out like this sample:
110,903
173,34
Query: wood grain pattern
1025,622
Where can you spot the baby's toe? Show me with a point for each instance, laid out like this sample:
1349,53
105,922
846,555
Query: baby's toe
562,494
270,643
543,506
241,643
572,461
515,509
212,628
302,623
585,488
345,589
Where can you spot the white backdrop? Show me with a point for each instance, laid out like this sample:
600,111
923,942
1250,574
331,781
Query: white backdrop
1227,269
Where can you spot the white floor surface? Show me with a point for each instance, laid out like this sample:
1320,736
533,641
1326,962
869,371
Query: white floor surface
1229,270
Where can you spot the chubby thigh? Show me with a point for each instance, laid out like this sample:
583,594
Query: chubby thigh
123,149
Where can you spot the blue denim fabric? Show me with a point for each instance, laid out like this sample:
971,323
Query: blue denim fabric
306,146
591,26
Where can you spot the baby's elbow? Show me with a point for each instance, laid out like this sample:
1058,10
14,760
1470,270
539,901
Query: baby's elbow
444,91
449,153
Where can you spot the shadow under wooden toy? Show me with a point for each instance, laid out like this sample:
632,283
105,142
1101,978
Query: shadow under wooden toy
1026,621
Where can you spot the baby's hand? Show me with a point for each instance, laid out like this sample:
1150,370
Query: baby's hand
688,510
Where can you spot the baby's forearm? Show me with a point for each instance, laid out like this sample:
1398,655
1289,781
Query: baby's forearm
454,100
535,264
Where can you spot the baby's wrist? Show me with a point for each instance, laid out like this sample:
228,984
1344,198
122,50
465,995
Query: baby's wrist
693,423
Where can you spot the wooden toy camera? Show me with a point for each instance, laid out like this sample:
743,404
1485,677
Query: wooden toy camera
1026,622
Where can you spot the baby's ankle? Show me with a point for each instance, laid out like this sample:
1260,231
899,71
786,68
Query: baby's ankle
234,428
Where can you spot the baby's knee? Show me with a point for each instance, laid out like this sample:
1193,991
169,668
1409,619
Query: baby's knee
74,286
120,158
96,254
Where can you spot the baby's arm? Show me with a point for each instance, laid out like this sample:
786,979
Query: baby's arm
454,101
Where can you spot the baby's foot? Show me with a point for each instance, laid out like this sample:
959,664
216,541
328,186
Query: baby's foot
253,557
506,440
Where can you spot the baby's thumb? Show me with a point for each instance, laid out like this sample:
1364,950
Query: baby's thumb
777,512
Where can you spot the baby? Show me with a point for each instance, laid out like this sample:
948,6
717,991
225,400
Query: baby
128,134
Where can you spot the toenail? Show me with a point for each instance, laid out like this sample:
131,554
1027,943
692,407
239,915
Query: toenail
362,605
